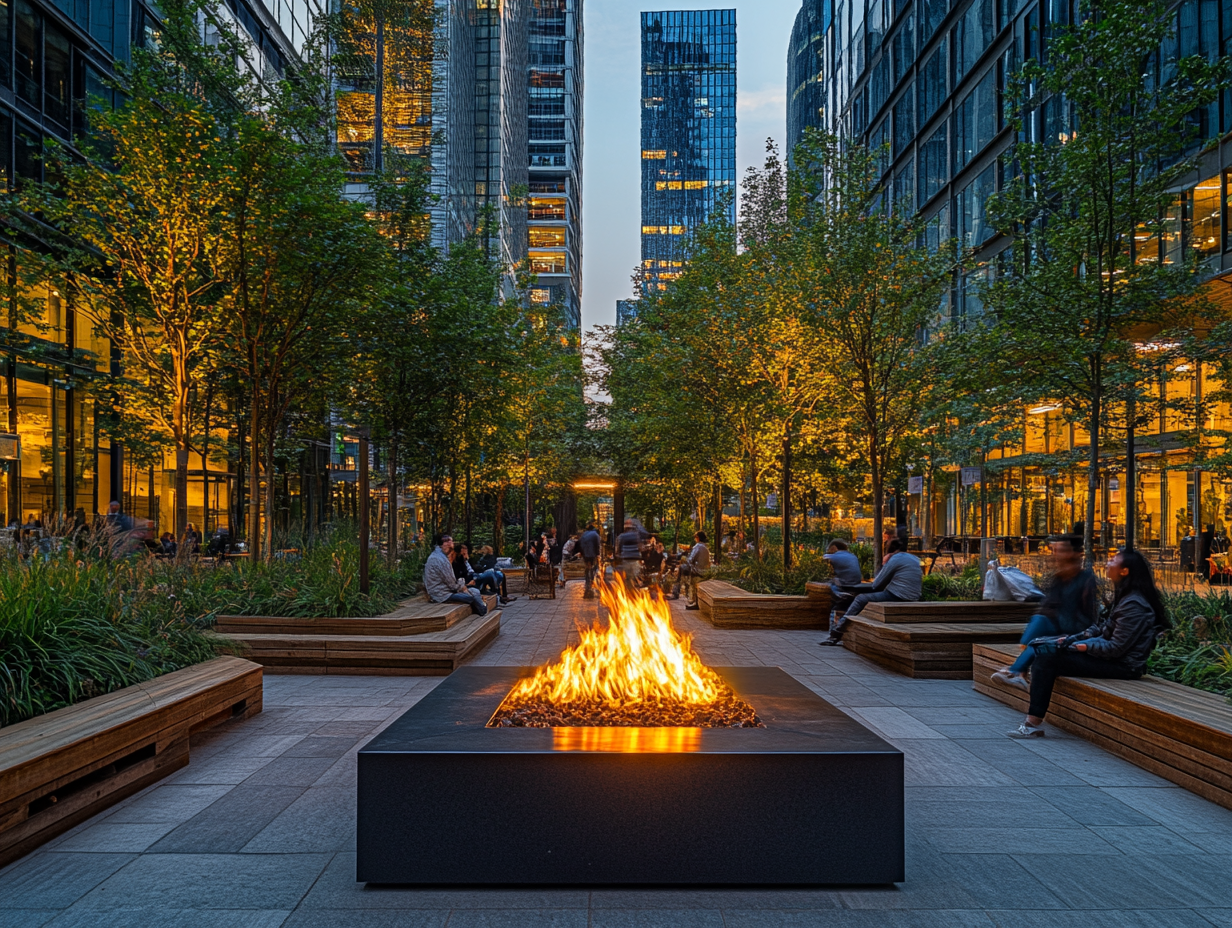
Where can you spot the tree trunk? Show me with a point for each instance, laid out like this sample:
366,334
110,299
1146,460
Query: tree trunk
393,503
718,515
874,461
1131,472
785,500
268,496
254,478
756,508
498,521
1088,528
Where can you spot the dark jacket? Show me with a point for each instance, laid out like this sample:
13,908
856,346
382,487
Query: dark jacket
1126,635
487,562
462,569
554,551
1073,603
589,544
628,545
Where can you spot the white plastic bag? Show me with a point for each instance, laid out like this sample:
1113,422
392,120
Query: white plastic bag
995,587
1020,584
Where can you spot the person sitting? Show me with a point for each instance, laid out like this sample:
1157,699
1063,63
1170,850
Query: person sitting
490,578
901,579
1115,648
1070,605
567,554
844,564
442,585
692,570
652,562
167,547
192,539
555,556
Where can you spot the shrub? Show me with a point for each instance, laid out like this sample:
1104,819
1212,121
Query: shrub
1197,651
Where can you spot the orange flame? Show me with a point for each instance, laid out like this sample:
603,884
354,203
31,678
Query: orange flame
628,740
638,657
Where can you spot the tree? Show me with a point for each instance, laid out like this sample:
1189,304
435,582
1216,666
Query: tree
857,273
1085,275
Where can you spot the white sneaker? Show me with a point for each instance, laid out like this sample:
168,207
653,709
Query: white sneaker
1027,731
1011,678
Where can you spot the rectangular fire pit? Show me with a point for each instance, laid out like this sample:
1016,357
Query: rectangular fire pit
814,797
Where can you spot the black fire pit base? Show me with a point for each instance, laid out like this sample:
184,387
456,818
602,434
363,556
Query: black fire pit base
812,798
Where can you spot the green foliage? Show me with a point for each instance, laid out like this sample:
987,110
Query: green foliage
766,574
942,587
73,629
1197,651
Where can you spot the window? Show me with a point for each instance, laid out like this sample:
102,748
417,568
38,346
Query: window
654,155
6,154
29,54
57,64
27,153
547,263
1205,222
932,83
1172,224
970,205
904,48
934,163
931,14
6,42
904,121
937,232
972,35
547,237
976,121
904,190
879,85
545,209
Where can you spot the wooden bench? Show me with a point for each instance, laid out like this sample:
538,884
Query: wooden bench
977,611
59,769
413,616
1179,733
925,650
724,605
366,652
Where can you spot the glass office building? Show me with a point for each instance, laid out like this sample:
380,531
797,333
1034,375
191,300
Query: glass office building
927,77
688,131
806,71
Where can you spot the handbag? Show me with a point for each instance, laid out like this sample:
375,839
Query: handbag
1050,645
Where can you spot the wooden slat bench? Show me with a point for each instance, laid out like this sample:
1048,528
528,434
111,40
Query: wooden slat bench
412,617
429,653
58,769
976,611
1179,733
727,606
925,650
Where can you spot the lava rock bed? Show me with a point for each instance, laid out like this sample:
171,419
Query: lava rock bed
728,711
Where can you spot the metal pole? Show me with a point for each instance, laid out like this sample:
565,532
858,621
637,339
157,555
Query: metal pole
1131,472
362,468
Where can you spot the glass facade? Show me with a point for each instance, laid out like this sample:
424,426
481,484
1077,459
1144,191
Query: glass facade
688,131
806,69
926,78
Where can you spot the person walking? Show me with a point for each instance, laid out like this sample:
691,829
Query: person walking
901,579
1115,648
1070,605
589,544
629,552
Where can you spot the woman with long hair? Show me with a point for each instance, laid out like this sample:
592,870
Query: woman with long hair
1114,648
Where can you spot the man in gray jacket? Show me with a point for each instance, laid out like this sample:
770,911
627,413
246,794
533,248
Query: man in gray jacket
901,579
442,585
589,545
695,567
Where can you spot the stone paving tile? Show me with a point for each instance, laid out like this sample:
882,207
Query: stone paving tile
847,918
321,819
1122,918
502,918
367,918
109,836
53,880
228,824
161,917
1222,918
656,918
27,918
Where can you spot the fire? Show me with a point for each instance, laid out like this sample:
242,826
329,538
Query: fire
636,671
639,657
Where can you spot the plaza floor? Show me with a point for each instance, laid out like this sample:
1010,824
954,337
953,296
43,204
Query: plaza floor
259,829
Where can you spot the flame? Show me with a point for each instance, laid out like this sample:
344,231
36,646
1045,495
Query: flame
628,740
637,658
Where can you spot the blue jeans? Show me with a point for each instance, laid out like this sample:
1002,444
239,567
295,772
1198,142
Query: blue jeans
471,597
491,581
1037,627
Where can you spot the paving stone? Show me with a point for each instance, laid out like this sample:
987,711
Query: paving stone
161,917
1122,918
230,823
1019,840
54,880
26,918
320,819
893,724
367,918
168,802
656,918
108,836
500,918
208,881
1132,840
663,898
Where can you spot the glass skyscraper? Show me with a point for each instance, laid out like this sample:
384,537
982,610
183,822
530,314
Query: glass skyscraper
688,131
806,71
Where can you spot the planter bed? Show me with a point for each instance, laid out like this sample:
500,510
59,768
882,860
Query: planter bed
1179,733
59,769
724,605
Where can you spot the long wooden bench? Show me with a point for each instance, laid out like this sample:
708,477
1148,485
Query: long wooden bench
925,650
1179,733
58,769
429,653
976,611
727,606
412,617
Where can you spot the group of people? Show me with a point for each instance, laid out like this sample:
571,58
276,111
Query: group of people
641,558
450,577
1067,637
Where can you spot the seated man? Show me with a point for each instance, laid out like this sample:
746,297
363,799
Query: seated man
652,562
901,579
846,566
441,584
491,578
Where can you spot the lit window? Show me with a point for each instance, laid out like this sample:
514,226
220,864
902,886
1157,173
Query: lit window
547,237
1205,223
663,230
695,184
541,295
654,155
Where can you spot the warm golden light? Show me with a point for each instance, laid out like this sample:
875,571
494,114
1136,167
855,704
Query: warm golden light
627,740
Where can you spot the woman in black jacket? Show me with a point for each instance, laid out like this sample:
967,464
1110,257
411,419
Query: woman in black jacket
1114,648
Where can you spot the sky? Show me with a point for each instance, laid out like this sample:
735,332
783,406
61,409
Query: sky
611,161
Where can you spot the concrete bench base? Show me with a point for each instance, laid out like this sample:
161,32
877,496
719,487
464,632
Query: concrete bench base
1176,732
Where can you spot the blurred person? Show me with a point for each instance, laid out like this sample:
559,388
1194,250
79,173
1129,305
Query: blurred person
589,545
694,567
1071,603
629,552
1115,648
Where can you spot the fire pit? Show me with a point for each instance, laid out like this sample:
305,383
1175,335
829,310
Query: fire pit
628,761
